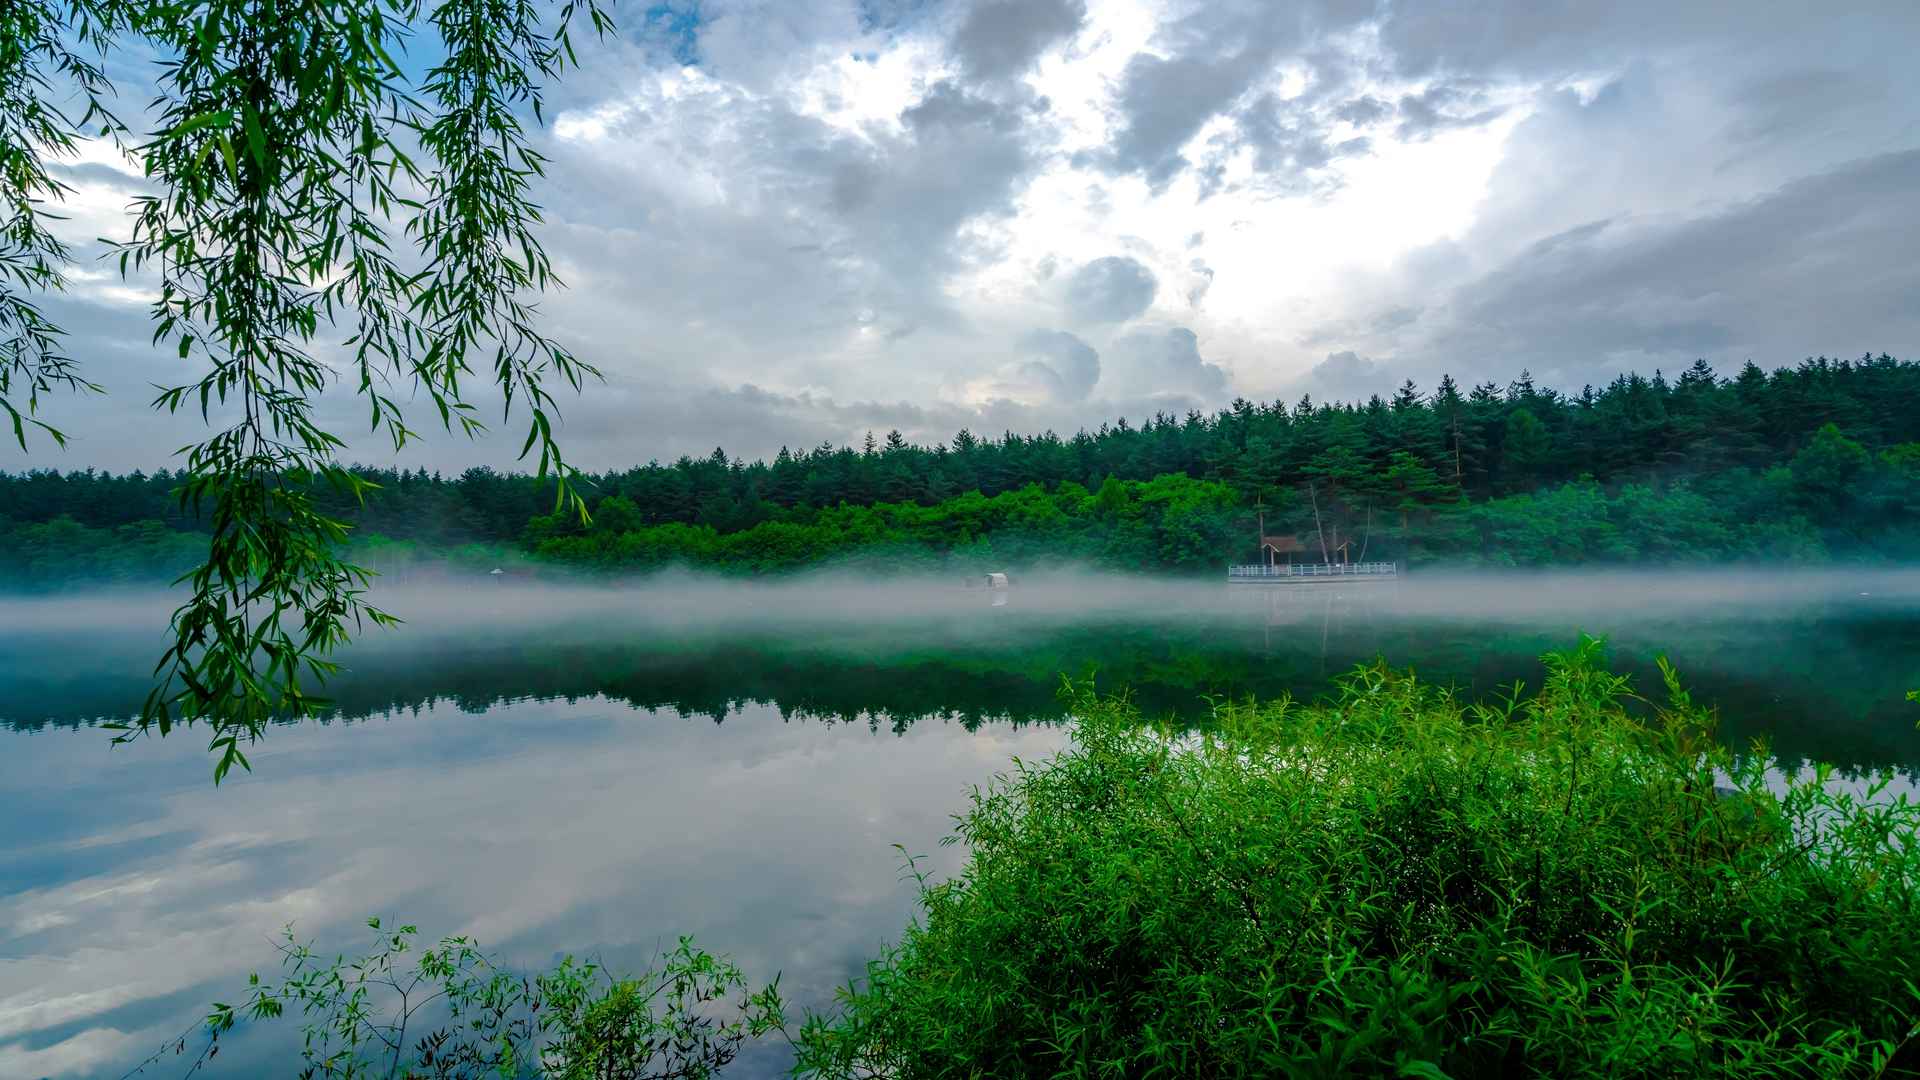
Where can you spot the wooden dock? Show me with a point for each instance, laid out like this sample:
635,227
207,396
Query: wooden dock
1311,573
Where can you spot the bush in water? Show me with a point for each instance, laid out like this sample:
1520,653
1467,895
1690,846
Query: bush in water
1581,883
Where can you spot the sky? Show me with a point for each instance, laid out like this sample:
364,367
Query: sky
783,222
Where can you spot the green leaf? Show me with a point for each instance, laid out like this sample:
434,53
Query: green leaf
256,138
214,119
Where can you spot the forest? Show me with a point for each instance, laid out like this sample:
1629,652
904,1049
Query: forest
1809,463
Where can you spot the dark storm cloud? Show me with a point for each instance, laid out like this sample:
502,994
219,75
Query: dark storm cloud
1000,39
1110,290
1068,366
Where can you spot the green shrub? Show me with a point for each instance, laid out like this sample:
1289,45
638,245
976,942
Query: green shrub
1392,883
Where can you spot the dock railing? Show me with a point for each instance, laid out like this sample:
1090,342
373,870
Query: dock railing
1312,571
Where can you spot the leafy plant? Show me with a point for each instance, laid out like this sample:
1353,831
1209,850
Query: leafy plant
41,45
1580,882
313,200
450,1011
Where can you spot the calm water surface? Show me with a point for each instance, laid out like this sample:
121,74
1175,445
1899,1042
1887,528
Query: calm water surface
597,772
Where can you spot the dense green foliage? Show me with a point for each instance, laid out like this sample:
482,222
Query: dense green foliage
1398,884
1478,445
1814,462
65,551
1170,522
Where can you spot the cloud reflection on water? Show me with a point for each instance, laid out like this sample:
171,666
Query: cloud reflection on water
590,828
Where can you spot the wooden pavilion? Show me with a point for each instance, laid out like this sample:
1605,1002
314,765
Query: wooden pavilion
1272,548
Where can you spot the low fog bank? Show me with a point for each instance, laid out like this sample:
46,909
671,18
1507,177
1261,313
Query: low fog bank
1819,660
686,604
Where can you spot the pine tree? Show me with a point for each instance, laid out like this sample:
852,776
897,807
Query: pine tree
1526,447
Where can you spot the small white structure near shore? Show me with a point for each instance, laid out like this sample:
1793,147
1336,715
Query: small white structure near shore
996,584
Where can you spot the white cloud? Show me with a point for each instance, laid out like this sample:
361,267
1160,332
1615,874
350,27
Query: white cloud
840,202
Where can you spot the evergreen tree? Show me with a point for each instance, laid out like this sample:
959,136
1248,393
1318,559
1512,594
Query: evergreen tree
1526,448
1739,468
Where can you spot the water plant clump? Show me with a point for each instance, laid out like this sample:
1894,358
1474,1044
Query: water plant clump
404,1010
1395,882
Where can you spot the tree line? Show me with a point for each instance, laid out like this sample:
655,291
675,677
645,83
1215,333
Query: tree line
1808,462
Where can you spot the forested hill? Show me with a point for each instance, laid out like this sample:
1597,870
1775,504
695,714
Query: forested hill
1811,462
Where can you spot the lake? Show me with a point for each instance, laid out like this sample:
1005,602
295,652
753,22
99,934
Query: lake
597,771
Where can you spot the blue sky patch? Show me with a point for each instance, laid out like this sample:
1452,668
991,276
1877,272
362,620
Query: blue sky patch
674,27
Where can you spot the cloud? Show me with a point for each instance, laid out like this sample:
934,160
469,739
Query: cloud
792,220
1813,267
1000,39
1525,39
765,231
755,422
1200,65
1066,365
1202,281
1363,110
1443,106
1291,147
1110,290
1345,376
1164,101
1166,362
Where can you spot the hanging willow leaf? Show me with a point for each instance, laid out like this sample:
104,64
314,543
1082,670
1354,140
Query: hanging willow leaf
309,241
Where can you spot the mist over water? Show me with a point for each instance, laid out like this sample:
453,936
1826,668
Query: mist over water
689,603
563,767
1783,649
